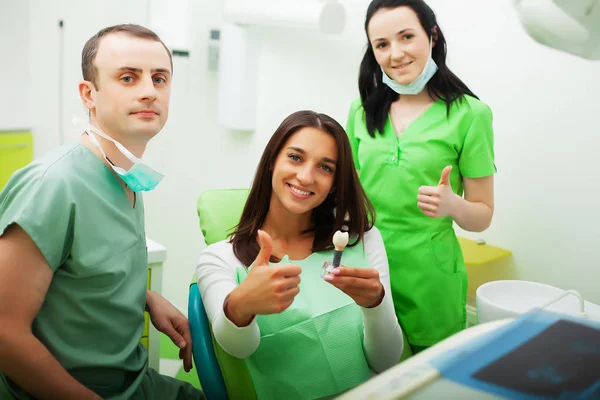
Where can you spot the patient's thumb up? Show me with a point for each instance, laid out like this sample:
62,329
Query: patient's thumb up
266,248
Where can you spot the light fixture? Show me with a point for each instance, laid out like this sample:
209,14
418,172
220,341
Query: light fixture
571,26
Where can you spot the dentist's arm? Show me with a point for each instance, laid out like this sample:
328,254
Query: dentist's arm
25,277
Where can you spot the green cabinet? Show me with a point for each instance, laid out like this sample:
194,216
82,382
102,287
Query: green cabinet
16,151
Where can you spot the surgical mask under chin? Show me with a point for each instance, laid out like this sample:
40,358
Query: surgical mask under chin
140,176
416,86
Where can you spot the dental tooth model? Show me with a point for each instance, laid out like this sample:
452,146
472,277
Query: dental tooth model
340,240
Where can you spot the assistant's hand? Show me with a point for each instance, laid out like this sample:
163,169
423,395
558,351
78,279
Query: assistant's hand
361,284
438,201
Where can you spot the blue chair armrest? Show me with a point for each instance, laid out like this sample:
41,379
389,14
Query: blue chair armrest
207,367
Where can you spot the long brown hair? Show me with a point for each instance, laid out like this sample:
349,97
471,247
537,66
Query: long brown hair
347,198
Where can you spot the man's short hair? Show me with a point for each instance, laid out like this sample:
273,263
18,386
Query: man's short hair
88,55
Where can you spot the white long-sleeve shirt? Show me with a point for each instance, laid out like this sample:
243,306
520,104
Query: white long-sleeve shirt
216,275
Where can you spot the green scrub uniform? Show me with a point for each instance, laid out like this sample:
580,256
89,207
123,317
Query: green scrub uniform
76,211
427,271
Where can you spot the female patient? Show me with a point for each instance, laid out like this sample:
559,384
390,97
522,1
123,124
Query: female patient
302,334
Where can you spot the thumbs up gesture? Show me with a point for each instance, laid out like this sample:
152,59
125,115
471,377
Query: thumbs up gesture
266,249
266,289
438,201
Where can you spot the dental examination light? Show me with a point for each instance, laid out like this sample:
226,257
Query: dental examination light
571,26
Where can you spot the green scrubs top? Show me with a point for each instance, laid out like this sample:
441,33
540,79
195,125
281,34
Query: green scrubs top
427,271
93,239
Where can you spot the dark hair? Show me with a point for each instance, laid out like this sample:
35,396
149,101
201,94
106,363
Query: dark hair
348,195
377,97
88,54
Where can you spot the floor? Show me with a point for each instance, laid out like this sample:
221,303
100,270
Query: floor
171,365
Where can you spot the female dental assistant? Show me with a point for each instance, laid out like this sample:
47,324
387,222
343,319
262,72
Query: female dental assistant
420,140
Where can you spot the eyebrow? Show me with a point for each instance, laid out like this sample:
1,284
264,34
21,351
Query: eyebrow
301,151
139,70
397,34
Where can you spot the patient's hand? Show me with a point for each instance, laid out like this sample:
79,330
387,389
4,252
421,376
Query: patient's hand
167,319
266,289
362,284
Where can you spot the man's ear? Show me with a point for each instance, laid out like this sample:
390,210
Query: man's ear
86,93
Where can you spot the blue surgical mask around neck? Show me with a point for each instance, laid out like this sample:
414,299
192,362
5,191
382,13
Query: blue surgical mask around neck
416,86
140,177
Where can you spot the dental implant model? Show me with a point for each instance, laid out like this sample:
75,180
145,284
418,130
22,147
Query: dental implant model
340,240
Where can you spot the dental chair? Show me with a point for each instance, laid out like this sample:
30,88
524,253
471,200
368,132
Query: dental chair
221,375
